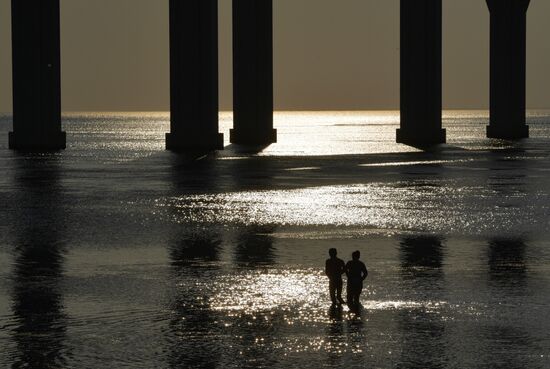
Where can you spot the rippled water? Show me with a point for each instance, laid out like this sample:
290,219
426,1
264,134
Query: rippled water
116,253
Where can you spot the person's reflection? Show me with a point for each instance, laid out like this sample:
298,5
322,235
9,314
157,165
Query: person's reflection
357,339
254,246
422,330
37,300
336,315
335,337
194,330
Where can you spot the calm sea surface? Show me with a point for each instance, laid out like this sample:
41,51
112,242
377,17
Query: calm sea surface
118,254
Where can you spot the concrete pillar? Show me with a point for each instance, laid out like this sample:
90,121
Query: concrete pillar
508,54
36,76
194,76
421,73
253,72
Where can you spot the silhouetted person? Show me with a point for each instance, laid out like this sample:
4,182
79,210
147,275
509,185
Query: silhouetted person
356,272
334,268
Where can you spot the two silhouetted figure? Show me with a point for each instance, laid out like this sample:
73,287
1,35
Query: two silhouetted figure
356,272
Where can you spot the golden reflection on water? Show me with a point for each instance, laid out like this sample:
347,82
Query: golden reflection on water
419,162
300,295
299,133
268,308
374,205
430,205
141,134
264,291
333,133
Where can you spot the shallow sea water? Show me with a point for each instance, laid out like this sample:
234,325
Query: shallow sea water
117,254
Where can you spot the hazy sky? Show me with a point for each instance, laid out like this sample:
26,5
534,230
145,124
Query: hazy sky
329,54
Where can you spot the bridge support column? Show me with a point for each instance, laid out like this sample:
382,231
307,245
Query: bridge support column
36,76
194,76
253,73
508,54
421,59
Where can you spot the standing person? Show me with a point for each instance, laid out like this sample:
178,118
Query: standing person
334,268
356,272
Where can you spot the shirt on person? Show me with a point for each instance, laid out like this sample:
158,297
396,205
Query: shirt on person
356,271
334,268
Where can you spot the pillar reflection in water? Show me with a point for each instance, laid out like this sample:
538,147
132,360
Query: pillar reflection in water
422,330
422,258
37,299
258,331
508,281
199,249
195,255
506,258
194,331
254,246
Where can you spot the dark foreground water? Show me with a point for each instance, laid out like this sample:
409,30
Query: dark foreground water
118,254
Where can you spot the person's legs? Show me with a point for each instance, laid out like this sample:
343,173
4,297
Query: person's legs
355,298
339,291
332,290
357,293
354,290
349,294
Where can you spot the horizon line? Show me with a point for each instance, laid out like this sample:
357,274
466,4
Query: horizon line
9,113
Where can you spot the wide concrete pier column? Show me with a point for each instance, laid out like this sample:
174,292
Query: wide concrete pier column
253,73
194,76
36,76
421,61
508,54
